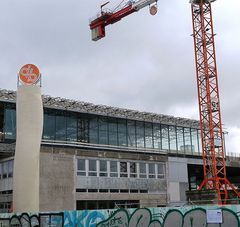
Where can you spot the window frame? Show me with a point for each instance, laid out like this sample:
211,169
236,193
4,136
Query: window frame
82,172
143,175
94,172
150,174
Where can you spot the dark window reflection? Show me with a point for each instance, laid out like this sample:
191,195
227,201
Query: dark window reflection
180,140
188,148
113,130
131,132
49,127
10,123
83,130
165,137
71,129
60,128
140,134
172,138
157,136
93,130
149,135
122,132
87,128
103,130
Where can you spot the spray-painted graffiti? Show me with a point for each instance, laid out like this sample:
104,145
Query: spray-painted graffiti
187,216
24,220
140,217
166,217
84,218
32,220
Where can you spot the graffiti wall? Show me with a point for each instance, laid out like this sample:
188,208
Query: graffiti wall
187,216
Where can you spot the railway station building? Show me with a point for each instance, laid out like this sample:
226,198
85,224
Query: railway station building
101,157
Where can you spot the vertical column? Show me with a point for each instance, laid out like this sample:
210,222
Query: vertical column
29,133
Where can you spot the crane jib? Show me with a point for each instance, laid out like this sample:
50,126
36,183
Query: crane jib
105,18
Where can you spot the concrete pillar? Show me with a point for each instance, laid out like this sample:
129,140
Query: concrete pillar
26,162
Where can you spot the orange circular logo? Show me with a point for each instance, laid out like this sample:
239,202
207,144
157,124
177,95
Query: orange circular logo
29,74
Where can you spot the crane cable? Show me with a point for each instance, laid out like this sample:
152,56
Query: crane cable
118,5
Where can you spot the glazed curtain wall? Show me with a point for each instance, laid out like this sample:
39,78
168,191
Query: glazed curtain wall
9,124
75,127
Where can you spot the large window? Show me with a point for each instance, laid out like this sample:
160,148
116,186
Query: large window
142,170
157,136
133,169
200,142
113,129
172,138
10,123
131,132
93,130
113,169
180,141
123,169
122,132
187,141
10,168
71,129
103,130
151,170
81,167
83,130
60,128
103,168
5,169
160,170
165,137
92,168
194,140
140,134
149,135
49,127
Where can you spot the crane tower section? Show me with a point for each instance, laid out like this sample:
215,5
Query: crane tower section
213,153
107,17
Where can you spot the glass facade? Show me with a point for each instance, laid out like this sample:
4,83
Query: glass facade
9,127
173,138
72,127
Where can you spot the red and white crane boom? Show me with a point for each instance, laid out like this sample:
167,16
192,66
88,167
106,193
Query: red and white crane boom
106,17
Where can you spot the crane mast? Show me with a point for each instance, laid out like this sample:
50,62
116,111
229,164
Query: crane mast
213,153
107,17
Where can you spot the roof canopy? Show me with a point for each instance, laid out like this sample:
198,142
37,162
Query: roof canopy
103,110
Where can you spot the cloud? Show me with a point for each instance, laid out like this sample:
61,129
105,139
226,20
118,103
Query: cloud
145,62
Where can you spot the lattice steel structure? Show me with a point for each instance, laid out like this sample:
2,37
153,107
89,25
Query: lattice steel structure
213,153
103,110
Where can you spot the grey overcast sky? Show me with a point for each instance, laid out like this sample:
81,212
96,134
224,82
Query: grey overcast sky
145,62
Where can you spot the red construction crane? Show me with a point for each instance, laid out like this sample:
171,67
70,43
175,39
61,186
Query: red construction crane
213,153
106,17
